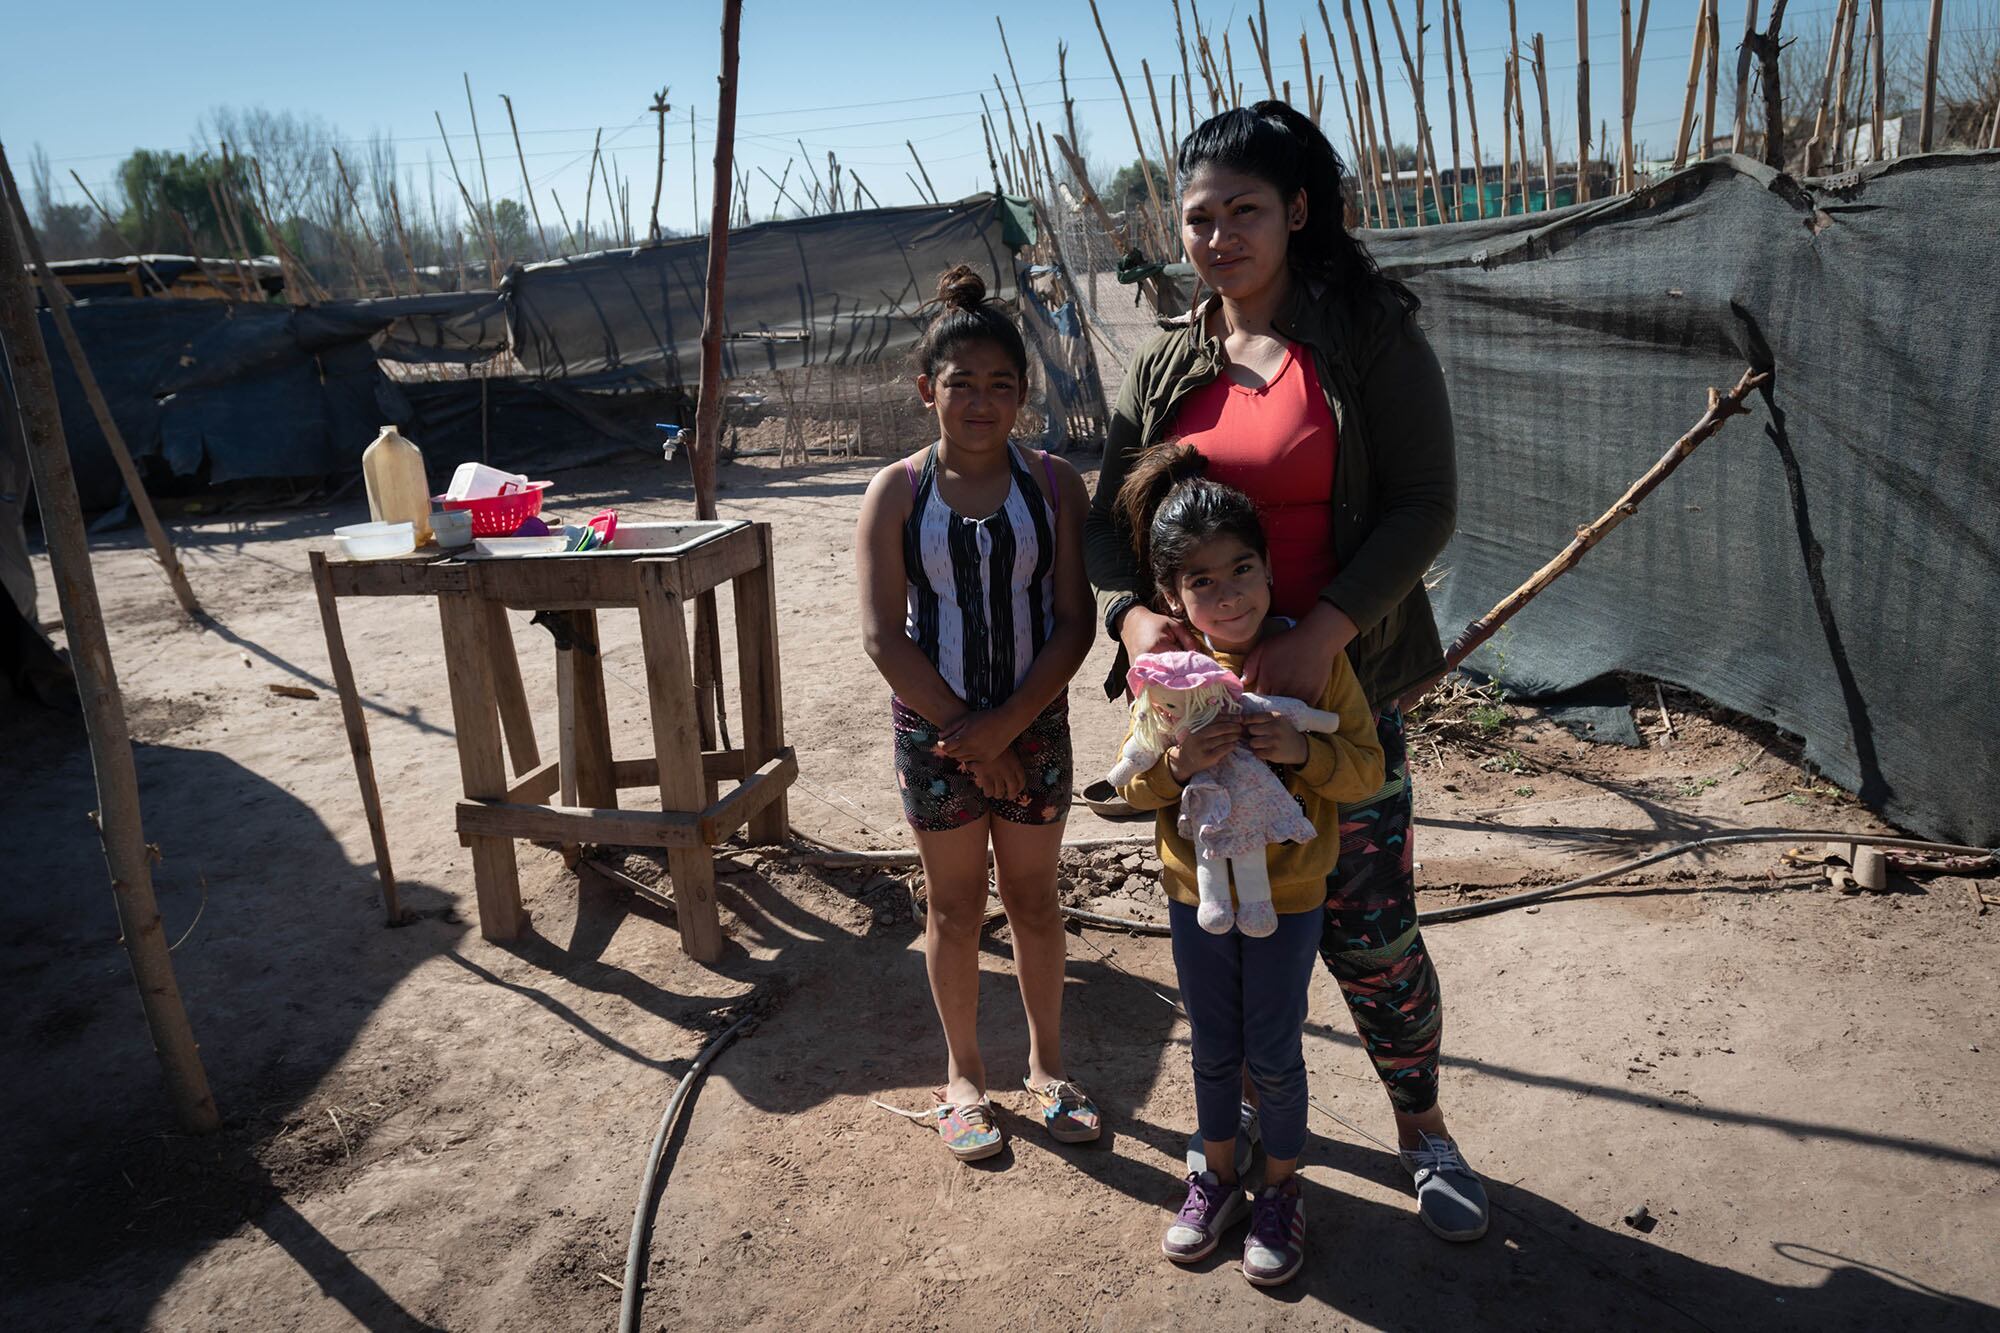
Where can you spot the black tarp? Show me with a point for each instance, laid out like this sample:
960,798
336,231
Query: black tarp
1831,561
840,288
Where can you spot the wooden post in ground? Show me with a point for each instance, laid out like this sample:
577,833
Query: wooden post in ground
1582,100
1881,39
142,503
1166,162
527,185
1138,140
1695,53
928,187
1625,175
1471,109
119,821
1507,94
358,744
1260,39
1712,21
759,685
1768,45
1926,121
1187,80
1741,137
1840,154
659,108
1382,113
1841,12
1548,139
1416,79
1451,103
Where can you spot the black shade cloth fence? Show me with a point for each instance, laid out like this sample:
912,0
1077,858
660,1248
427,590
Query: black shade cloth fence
1830,562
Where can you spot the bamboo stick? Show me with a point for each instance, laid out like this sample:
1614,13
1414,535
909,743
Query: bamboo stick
1840,154
493,247
1260,39
1451,103
660,107
114,438
1507,91
1187,80
986,131
1625,174
1232,87
1471,112
785,196
1166,155
1069,103
485,187
1153,287
590,183
1211,77
1359,161
1422,144
921,172
112,226
1371,126
1034,160
694,172
1132,119
403,240
119,817
1695,53
1712,21
238,253
562,216
1875,119
1306,58
1742,134
1840,17
1926,122
355,204
1632,82
1382,123
528,186
1520,104
1548,140
1582,100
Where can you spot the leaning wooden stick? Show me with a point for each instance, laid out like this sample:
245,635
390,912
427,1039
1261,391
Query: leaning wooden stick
142,503
118,817
1159,214
1471,110
1721,407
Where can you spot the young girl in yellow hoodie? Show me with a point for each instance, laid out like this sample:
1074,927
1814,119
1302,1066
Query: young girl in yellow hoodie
1246,996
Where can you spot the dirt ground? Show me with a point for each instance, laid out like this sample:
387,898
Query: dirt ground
425,1130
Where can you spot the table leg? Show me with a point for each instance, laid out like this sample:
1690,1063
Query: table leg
357,735
676,745
483,771
594,784
763,719
515,719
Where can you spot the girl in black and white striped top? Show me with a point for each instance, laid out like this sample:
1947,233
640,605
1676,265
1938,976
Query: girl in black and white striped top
975,608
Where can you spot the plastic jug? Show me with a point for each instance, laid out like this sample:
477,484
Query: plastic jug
393,469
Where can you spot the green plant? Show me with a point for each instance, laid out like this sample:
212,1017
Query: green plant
1489,718
1510,762
1524,791
1796,798
1696,786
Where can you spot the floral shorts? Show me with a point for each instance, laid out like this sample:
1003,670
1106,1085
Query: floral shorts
940,794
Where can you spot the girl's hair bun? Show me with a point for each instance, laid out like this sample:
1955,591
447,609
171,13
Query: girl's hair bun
961,288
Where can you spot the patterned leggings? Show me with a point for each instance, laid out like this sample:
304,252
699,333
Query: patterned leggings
1371,944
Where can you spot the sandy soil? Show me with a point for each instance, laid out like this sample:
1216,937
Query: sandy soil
425,1130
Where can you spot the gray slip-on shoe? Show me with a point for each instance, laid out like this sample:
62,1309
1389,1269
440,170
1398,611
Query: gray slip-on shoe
1450,1198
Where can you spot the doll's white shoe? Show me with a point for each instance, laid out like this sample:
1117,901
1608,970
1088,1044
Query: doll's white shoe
1257,920
1217,918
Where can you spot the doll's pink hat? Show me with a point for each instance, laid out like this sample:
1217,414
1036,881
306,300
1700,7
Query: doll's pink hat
1180,670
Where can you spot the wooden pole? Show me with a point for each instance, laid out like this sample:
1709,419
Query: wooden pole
493,248
1743,55
1153,287
354,206
986,132
118,817
1926,122
708,406
1260,39
1695,53
358,744
1548,140
1840,153
142,503
660,107
528,186
1721,407
1768,46
932,189
1041,169
1840,16
1138,142
1471,111
1382,122
1713,22
1508,91
1359,161
1187,80
1582,100
1166,160
1881,40
1451,104
1377,169
694,172
1423,117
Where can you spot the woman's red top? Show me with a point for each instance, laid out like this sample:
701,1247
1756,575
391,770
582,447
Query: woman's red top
1277,445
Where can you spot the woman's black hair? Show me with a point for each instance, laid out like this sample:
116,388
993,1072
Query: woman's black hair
1276,144
1168,508
967,317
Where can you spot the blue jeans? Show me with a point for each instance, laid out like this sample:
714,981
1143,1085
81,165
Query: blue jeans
1247,1001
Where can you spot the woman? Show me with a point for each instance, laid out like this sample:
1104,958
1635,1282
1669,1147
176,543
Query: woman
1306,383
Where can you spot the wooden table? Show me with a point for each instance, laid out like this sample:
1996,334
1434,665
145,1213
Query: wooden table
573,798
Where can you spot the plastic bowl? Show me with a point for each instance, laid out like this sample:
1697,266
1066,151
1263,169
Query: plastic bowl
375,541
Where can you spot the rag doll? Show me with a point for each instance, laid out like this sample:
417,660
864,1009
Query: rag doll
1233,810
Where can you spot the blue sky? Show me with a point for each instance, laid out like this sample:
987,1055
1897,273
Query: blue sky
858,78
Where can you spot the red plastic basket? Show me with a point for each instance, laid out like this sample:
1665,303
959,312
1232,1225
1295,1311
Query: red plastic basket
500,515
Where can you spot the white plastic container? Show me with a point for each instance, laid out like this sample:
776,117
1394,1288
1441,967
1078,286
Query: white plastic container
393,469
375,541
476,481
506,546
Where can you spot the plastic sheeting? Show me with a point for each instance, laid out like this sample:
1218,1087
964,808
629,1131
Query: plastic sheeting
1830,562
841,288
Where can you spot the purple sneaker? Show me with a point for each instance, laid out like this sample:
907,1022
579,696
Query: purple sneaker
1275,1249
1211,1208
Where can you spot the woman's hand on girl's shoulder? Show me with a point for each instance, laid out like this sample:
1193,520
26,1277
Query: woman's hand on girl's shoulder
1297,662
